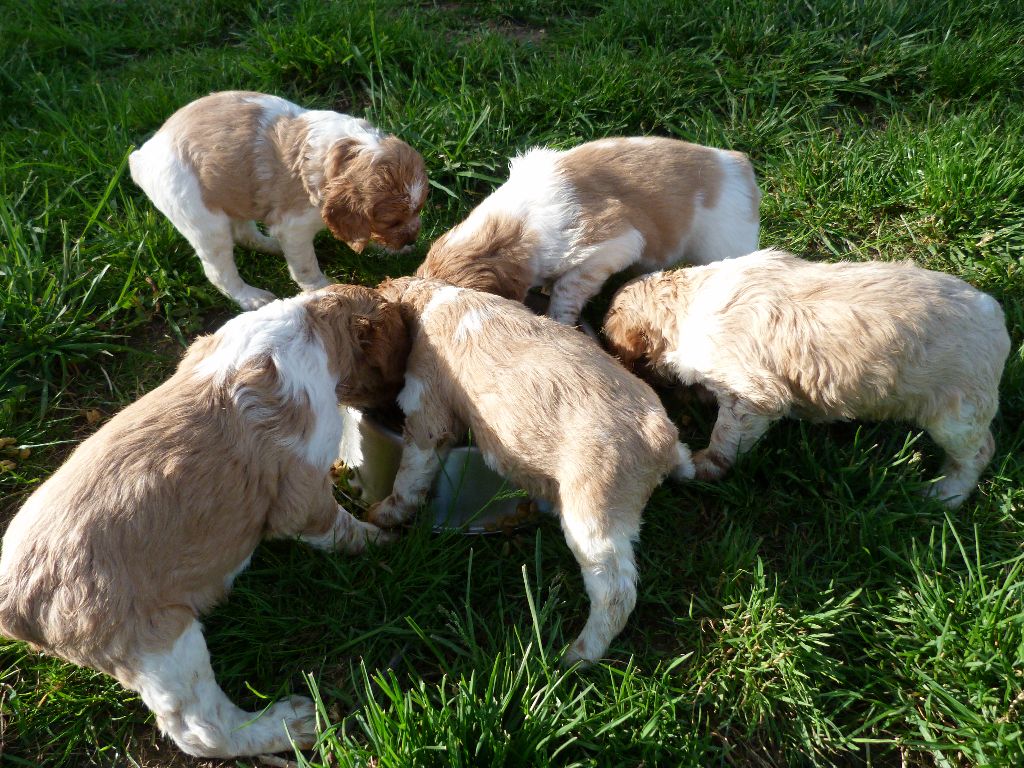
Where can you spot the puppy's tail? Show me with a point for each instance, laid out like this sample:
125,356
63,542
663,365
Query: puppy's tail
684,469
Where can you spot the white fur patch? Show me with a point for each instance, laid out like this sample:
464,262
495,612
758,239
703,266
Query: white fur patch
416,472
695,347
611,255
471,323
417,193
731,227
274,107
326,127
281,330
411,396
684,469
230,578
179,687
538,193
350,449
441,297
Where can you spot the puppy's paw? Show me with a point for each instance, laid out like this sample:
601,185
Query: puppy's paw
389,512
577,654
947,491
685,469
315,284
298,714
254,298
378,536
709,465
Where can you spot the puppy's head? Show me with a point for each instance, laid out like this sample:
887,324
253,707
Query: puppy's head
373,192
627,328
493,257
366,340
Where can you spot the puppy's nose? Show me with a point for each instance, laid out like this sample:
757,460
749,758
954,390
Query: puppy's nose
414,230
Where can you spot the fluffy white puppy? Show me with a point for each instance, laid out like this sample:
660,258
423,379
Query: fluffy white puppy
230,159
772,335
572,219
111,561
551,411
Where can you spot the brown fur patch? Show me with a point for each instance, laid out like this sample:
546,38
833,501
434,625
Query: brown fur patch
620,183
366,338
494,258
138,531
248,179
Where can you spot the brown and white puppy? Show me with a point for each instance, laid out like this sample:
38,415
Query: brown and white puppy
772,335
551,411
230,159
112,560
573,219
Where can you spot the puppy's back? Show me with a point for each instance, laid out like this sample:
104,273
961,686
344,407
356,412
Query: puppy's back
544,395
132,525
852,339
237,144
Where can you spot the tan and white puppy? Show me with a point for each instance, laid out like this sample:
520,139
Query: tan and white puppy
230,159
573,219
551,411
772,335
112,560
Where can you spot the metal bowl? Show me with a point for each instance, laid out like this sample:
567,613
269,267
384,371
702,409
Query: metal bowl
467,495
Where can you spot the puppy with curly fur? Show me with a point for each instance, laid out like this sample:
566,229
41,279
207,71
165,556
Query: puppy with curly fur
772,335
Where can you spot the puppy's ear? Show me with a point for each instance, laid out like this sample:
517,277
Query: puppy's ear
628,341
343,202
389,350
383,341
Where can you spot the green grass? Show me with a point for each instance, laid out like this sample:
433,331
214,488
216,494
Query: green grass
811,609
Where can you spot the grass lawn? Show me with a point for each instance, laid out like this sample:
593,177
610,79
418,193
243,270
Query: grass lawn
811,609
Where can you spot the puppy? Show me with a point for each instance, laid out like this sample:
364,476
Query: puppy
572,219
230,159
550,411
772,335
111,561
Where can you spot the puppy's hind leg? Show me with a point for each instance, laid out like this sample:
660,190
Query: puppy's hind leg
601,538
248,235
210,234
178,685
573,289
969,447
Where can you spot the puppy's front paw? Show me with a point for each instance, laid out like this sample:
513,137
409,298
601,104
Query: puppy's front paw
709,465
389,512
254,298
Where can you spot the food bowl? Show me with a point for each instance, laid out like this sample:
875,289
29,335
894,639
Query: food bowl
467,495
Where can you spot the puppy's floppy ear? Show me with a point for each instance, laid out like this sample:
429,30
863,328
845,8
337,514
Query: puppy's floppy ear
382,338
343,203
628,340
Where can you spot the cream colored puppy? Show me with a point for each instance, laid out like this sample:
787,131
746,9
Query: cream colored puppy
573,219
550,411
230,159
772,335
112,560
